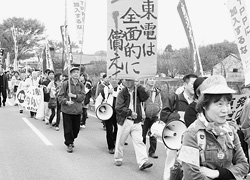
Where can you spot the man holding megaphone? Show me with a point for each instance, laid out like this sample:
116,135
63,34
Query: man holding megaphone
173,109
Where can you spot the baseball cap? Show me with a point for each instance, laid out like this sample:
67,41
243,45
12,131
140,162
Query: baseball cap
73,68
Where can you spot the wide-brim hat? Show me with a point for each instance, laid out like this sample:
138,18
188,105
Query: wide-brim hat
215,84
73,68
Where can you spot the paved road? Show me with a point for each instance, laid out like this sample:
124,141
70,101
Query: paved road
31,150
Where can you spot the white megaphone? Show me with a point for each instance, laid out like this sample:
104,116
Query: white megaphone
104,111
172,134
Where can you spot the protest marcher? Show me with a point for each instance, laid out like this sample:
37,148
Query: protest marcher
244,124
58,83
52,104
221,155
15,80
129,117
173,109
191,112
88,86
152,108
99,87
3,86
71,107
45,82
32,81
108,93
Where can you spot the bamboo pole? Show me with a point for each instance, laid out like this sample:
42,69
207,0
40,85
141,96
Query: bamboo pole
66,47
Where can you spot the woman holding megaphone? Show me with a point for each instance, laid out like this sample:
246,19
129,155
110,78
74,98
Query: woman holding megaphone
220,156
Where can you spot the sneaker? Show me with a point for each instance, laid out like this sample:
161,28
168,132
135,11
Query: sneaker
70,148
125,143
111,151
83,126
153,155
146,165
57,128
46,122
21,111
118,163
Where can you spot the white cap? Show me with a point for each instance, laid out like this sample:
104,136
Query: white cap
215,85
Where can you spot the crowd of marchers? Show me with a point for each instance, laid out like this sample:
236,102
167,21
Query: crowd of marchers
202,104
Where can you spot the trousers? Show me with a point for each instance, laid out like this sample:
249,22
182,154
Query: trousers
71,127
152,140
135,132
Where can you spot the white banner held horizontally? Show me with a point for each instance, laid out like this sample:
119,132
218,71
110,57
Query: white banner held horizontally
240,23
132,38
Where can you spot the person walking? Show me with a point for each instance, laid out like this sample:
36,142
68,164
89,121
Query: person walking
174,109
71,99
88,90
3,86
152,108
129,118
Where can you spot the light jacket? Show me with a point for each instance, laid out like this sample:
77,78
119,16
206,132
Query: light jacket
123,101
234,159
79,90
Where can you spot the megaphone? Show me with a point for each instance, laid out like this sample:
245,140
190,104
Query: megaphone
104,111
172,134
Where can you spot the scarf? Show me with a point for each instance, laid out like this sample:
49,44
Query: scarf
221,131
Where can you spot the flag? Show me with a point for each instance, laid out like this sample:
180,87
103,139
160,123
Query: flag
240,24
14,36
7,61
48,59
67,47
79,11
195,56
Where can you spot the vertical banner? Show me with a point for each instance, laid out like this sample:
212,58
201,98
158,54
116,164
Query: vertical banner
67,47
7,62
79,11
195,56
132,38
240,23
49,62
14,36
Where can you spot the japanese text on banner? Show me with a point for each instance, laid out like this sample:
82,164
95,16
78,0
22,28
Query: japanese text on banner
79,11
241,29
237,104
132,38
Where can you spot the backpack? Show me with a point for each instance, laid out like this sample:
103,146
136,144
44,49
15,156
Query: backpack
176,172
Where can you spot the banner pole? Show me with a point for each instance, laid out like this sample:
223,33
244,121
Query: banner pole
66,48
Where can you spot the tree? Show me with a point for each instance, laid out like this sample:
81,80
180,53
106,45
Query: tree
58,45
29,36
214,53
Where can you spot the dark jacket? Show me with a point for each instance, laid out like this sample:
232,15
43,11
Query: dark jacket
190,114
5,85
123,101
172,105
46,94
79,90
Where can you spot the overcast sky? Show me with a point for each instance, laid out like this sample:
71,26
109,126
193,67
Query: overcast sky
209,18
